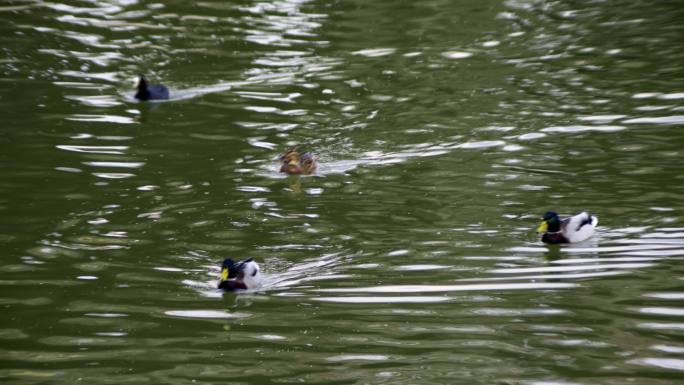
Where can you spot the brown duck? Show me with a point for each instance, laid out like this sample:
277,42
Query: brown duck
294,162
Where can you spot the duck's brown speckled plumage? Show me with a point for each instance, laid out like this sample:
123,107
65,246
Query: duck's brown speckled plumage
294,162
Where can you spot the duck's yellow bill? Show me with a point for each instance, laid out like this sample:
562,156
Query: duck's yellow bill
224,274
543,227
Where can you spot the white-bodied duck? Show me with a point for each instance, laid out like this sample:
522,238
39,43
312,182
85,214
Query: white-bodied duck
244,275
576,228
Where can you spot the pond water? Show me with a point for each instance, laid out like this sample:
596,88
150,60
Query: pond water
444,131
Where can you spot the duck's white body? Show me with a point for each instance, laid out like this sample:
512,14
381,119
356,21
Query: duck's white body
576,229
252,275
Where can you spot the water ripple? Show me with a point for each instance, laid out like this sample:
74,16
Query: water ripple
94,149
675,119
204,314
102,118
449,288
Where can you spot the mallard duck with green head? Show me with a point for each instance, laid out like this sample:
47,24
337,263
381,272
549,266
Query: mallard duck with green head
576,228
294,162
241,275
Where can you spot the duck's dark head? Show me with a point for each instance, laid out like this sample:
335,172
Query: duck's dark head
143,93
550,223
228,269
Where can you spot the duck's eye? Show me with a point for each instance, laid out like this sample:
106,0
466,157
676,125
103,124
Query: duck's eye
255,272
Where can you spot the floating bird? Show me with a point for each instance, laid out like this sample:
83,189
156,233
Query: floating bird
150,91
569,230
295,163
243,275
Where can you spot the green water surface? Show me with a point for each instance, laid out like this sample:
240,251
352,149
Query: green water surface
444,130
